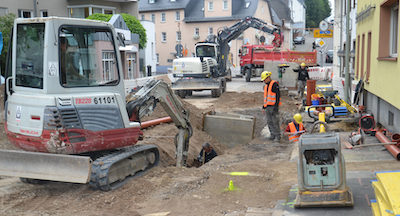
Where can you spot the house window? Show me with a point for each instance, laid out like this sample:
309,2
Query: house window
151,1
108,11
225,5
3,11
196,31
210,6
162,17
177,16
44,13
391,119
158,58
358,56
108,66
85,11
210,31
362,54
388,31
394,29
153,18
369,41
142,17
163,37
25,13
178,36
130,65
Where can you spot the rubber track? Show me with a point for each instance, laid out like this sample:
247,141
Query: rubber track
101,166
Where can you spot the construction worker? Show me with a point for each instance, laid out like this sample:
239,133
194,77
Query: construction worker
207,153
295,128
302,78
272,101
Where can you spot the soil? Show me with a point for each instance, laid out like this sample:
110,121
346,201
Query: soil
167,190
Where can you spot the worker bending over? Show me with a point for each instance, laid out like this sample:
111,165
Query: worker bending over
295,128
272,101
207,153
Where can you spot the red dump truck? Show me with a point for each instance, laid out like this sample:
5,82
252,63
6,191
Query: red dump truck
252,58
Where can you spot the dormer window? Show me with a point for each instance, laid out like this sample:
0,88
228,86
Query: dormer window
151,1
247,4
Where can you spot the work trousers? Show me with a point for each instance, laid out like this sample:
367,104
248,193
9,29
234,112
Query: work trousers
273,122
301,87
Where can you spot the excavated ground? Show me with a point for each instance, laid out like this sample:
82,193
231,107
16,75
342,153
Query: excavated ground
196,191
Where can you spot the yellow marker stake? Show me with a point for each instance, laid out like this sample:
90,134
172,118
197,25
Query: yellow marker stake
231,187
321,117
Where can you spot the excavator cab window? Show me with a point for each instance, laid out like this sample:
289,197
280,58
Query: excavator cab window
81,62
205,51
29,61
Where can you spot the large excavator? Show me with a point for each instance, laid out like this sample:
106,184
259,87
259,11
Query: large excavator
209,69
66,109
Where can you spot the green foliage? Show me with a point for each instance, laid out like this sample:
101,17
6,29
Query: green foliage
133,24
317,10
6,23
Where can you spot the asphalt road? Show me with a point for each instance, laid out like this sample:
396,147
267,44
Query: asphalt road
307,46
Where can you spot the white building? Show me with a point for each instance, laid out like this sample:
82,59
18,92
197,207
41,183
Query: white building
148,55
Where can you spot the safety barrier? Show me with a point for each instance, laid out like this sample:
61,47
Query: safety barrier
387,194
320,73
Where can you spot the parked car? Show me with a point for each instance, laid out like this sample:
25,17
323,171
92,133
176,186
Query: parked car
299,40
329,56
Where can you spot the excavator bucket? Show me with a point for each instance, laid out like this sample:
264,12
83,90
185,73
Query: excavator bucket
45,166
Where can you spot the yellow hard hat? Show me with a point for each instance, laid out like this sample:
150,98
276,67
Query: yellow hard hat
265,75
303,64
298,118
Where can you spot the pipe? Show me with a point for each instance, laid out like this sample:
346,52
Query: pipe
396,138
147,124
391,148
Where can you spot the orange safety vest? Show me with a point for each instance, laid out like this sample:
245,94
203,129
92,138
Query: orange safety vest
292,127
269,96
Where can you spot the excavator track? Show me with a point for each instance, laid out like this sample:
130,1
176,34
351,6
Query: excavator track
113,170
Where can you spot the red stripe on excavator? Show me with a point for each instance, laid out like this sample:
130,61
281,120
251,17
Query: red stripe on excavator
58,141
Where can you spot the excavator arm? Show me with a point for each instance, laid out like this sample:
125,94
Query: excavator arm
144,102
227,34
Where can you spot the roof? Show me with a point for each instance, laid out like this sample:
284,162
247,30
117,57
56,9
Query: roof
281,9
162,5
195,11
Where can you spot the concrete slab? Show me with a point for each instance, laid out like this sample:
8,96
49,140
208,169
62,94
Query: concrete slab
358,181
230,129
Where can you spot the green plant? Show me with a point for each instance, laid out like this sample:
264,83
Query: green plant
6,23
133,24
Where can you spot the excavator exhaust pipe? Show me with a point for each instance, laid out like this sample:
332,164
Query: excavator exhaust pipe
46,166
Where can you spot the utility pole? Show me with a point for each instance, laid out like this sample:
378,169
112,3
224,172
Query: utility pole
348,44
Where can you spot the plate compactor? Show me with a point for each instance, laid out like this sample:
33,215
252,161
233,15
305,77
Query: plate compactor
321,172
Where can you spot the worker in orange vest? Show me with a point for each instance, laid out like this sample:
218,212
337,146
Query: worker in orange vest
295,128
272,101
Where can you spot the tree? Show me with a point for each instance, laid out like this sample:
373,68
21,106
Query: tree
133,24
6,24
317,10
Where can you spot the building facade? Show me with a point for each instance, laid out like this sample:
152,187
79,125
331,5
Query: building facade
377,59
83,9
186,22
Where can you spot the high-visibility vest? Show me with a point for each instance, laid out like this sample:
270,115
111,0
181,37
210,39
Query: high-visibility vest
292,127
269,96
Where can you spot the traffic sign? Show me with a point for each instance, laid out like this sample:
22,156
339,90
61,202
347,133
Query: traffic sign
323,34
323,25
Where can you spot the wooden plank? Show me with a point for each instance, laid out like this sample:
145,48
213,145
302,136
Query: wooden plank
347,144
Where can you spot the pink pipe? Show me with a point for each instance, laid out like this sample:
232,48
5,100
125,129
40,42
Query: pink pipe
147,124
391,148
